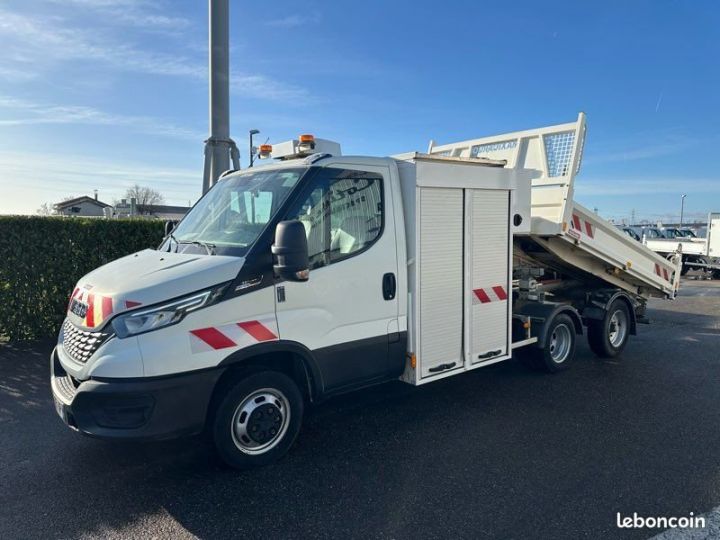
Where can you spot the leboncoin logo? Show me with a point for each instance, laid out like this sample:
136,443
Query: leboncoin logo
660,522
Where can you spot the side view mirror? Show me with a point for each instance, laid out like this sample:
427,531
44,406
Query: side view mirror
291,250
169,226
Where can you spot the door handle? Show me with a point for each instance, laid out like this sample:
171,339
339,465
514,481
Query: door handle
442,367
389,286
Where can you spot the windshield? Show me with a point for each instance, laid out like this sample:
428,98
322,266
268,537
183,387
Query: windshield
230,217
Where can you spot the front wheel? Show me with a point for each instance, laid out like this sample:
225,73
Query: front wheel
608,337
257,420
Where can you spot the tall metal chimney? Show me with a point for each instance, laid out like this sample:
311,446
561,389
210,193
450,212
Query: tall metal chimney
219,147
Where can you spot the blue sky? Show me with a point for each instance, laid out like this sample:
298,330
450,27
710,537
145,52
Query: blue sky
100,94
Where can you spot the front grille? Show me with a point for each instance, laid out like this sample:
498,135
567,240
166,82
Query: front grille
80,344
67,386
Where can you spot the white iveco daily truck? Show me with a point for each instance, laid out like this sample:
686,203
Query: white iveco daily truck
321,273
697,253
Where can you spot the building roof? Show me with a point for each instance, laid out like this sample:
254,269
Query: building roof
165,209
78,200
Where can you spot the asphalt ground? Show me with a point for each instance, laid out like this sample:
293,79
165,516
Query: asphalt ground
501,452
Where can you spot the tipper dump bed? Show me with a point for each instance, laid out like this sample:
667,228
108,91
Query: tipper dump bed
559,233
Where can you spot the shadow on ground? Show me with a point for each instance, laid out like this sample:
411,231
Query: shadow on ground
500,452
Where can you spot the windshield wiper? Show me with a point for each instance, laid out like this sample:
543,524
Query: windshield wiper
210,248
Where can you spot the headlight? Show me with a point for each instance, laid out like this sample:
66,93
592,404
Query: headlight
139,322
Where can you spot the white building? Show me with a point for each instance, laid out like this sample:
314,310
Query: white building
81,206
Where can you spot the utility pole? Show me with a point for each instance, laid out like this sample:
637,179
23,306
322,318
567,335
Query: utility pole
682,209
219,147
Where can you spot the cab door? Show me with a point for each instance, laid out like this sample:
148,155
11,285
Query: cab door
347,311
713,235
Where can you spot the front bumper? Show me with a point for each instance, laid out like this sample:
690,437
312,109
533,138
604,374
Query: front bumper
138,408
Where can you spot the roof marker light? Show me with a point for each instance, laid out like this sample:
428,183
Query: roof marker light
265,151
306,143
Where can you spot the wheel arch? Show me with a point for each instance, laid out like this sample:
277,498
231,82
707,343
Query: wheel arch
288,357
544,314
599,305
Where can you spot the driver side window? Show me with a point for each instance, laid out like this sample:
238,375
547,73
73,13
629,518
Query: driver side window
342,214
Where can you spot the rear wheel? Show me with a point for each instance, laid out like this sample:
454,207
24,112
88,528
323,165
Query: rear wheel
699,260
683,267
559,350
257,420
608,337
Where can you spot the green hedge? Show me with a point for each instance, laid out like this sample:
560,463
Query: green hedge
42,258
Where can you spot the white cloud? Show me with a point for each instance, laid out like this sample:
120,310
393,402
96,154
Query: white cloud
107,3
138,13
258,86
15,74
644,145
621,186
292,21
42,43
33,44
638,153
30,179
39,113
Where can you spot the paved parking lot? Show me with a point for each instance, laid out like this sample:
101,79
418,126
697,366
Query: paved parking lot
500,452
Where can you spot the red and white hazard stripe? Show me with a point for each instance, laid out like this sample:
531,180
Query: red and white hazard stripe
72,297
581,226
239,334
662,272
485,295
99,307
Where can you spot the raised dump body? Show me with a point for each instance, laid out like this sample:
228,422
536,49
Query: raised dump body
560,233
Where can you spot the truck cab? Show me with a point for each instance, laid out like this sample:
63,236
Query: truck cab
152,341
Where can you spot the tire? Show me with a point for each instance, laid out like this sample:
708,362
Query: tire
257,420
716,274
608,337
559,350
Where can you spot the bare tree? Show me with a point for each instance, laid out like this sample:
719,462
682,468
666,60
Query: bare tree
144,197
46,209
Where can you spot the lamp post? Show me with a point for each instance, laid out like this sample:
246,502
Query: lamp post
220,149
682,209
252,148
